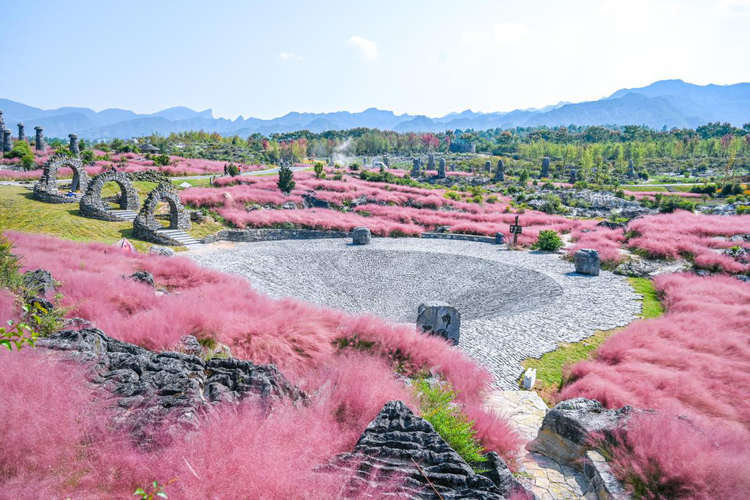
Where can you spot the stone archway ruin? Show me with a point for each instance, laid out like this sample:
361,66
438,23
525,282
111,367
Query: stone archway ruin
94,207
145,225
46,189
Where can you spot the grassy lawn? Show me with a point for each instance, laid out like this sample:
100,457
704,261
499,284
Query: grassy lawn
550,367
646,189
203,182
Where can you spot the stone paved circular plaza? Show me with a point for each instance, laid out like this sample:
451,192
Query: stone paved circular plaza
514,304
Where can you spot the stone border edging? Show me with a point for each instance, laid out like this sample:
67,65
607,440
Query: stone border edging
253,235
457,236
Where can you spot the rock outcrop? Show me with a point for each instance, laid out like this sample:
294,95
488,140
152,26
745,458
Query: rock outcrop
568,429
401,455
154,392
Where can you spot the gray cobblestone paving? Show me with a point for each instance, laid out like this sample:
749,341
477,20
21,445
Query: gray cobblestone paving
514,304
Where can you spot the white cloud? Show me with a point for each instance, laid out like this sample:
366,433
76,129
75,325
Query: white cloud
507,34
363,49
290,56
730,7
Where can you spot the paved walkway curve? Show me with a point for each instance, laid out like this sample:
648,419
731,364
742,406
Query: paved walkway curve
544,303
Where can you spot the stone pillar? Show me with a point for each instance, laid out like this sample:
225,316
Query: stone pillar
386,161
500,172
488,166
545,167
438,318
7,143
415,167
631,169
74,144
39,140
21,135
573,176
431,161
441,169
2,122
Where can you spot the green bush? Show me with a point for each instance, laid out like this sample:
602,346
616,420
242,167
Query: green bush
319,170
161,160
548,241
286,179
524,176
22,150
669,204
233,170
453,425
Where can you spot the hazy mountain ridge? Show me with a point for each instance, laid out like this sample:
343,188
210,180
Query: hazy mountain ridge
670,103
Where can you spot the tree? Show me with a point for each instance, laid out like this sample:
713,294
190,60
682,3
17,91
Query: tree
524,176
286,179
319,172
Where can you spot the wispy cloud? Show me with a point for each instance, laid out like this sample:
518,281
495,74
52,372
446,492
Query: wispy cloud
363,49
506,33
290,56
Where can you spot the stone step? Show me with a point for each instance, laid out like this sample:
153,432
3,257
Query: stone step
180,236
127,215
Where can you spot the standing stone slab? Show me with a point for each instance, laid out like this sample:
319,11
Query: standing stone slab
488,166
361,236
441,168
573,176
441,319
545,167
431,161
39,139
415,167
587,262
500,172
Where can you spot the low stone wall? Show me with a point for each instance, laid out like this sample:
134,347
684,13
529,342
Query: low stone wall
462,237
251,235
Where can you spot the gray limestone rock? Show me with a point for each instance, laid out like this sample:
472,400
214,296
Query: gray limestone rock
361,236
153,392
143,277
39,282
587,262
163,251
441,319
635,268
401,455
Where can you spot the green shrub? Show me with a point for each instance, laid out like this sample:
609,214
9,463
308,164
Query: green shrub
453,425
524,176
669,204
286,179
743,209
492,199
233,170
22,150
319,171
161,160
453,195
553,205
548,241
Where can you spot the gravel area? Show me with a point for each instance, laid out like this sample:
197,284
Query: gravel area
514,304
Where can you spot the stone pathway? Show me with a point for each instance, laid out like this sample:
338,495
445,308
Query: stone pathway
548,479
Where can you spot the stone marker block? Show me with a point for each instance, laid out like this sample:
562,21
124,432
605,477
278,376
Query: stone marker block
361,236
438,318
587,262
529,379
499,238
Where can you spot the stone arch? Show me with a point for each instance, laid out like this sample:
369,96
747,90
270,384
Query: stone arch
92,205
46,189
145,225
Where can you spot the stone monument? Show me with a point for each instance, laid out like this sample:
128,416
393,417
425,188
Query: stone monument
438,318
39,139
7,142
500,172
74,144
545,167
441,168
21,135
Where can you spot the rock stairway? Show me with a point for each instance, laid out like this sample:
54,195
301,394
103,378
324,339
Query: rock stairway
178,235
127,215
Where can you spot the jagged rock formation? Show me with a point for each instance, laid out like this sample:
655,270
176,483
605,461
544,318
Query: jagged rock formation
163,391
400,455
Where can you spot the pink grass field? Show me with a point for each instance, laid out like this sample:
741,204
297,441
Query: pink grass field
275,455
694,361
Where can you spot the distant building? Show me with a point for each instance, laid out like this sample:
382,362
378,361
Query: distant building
148,148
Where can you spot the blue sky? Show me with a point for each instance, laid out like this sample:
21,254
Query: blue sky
264,59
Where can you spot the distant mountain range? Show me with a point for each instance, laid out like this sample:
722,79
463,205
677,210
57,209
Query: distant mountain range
670,103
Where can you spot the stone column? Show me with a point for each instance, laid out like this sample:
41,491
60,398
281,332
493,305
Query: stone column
431,161
386,161
500,172
415,167
545,167
573,176
441,169
7,143
488,166
74,144
21,135
39,140
2,122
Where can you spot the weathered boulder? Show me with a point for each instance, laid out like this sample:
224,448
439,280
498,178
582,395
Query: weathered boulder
568,428
635,268
361,236
143,277
311,201
587,262
153,392
612,225
39,282
188,344
439,318
400,455
499,238
159,250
